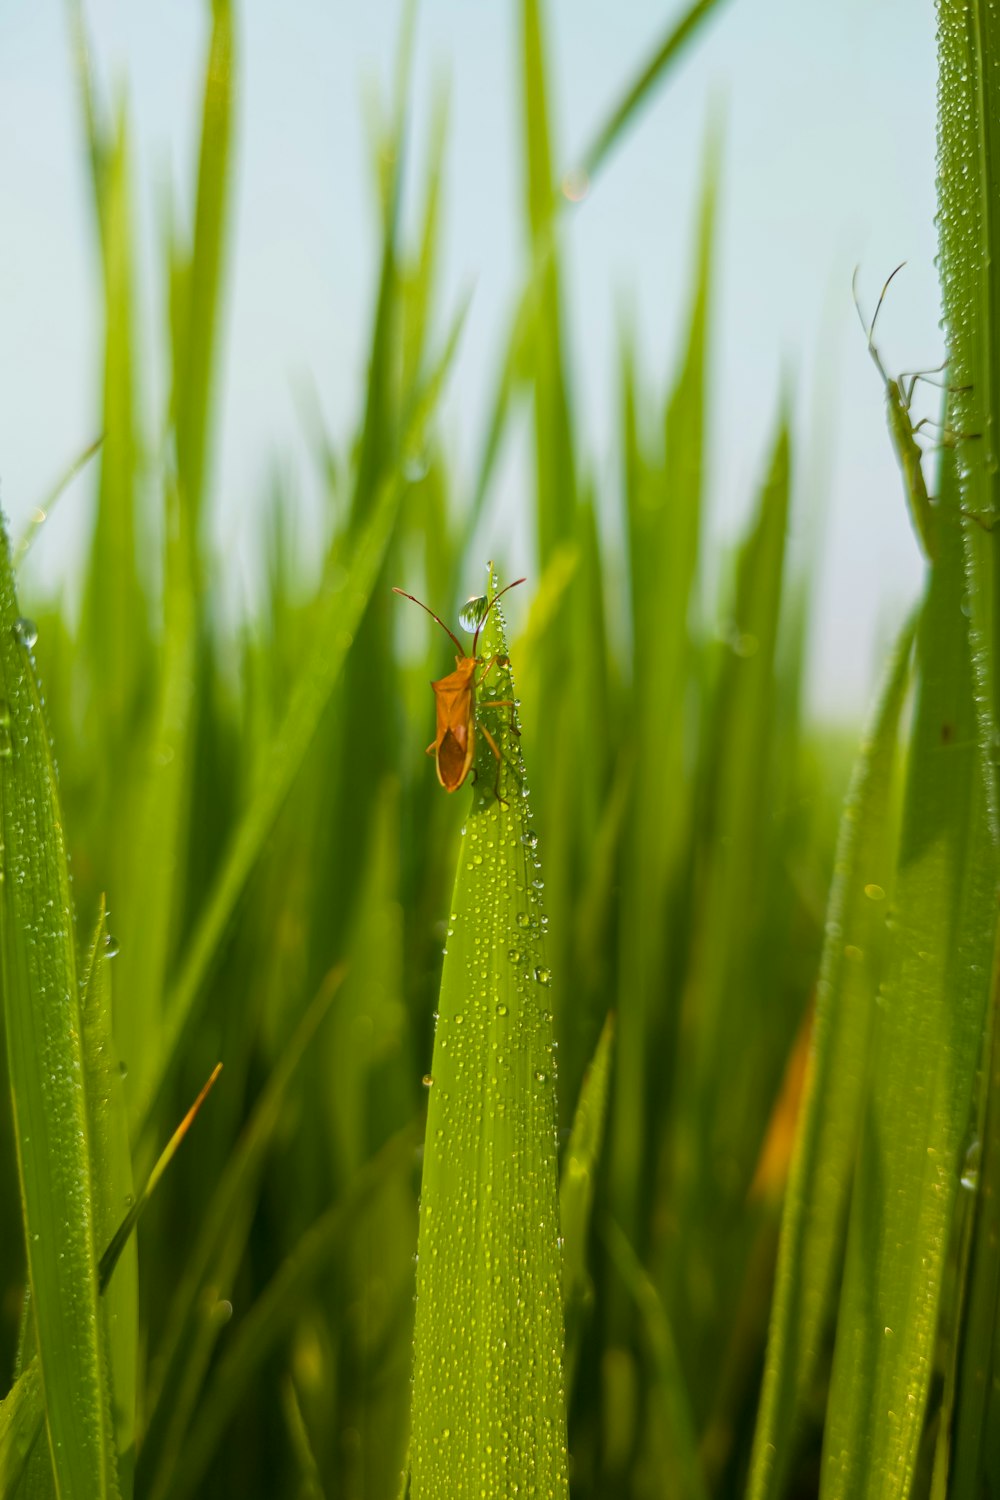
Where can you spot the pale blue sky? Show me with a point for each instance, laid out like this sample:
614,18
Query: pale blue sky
828,115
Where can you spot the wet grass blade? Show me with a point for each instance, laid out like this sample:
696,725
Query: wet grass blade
818,1191
969,233
967,1461
926,1047
47,1073
488,1408
111,1175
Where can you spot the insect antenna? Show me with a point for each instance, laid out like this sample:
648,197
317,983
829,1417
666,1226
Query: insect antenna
413,600
869,328
475,638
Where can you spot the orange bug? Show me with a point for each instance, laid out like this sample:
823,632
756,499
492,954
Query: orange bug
454,743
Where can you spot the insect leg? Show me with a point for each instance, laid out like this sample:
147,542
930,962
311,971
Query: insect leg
496,751
503,703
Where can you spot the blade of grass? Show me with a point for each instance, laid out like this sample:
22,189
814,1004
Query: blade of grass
47,1071
338,614
639,92
203,283
926,1047
215,1259
576,1191
672,1420
111,1175
829,1124
488,1407
272,1315
22,1417
969,234
45,507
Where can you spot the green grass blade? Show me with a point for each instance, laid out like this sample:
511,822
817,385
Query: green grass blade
969,1412
664,530
336,620
925,1051
576,1190
215,1259
51,498
488,1409
969,234
819,1185
272,1315
639,92
111,1175
193,378
115,607
22,1417
47,1074
672,1421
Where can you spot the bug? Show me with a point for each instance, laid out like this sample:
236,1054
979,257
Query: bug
902,429
454,742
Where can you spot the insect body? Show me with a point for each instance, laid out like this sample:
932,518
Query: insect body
903,431
454,743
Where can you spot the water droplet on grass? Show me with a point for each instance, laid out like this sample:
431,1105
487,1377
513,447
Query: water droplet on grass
26,631
473,612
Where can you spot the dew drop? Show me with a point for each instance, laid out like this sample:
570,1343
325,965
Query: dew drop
473,612
416,466
26,631
543,976
970,1167
874,892
428,1080
111,945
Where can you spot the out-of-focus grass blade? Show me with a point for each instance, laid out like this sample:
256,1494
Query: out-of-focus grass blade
192,390
115,609
150,892
119,1240
22,1416
310,1479
488,1407
47,1074
926,1046
672,1424
111,1174
639,91
337,617
830,1121
274,1311
45,507
216,1256
555,457
576,1190
664,529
